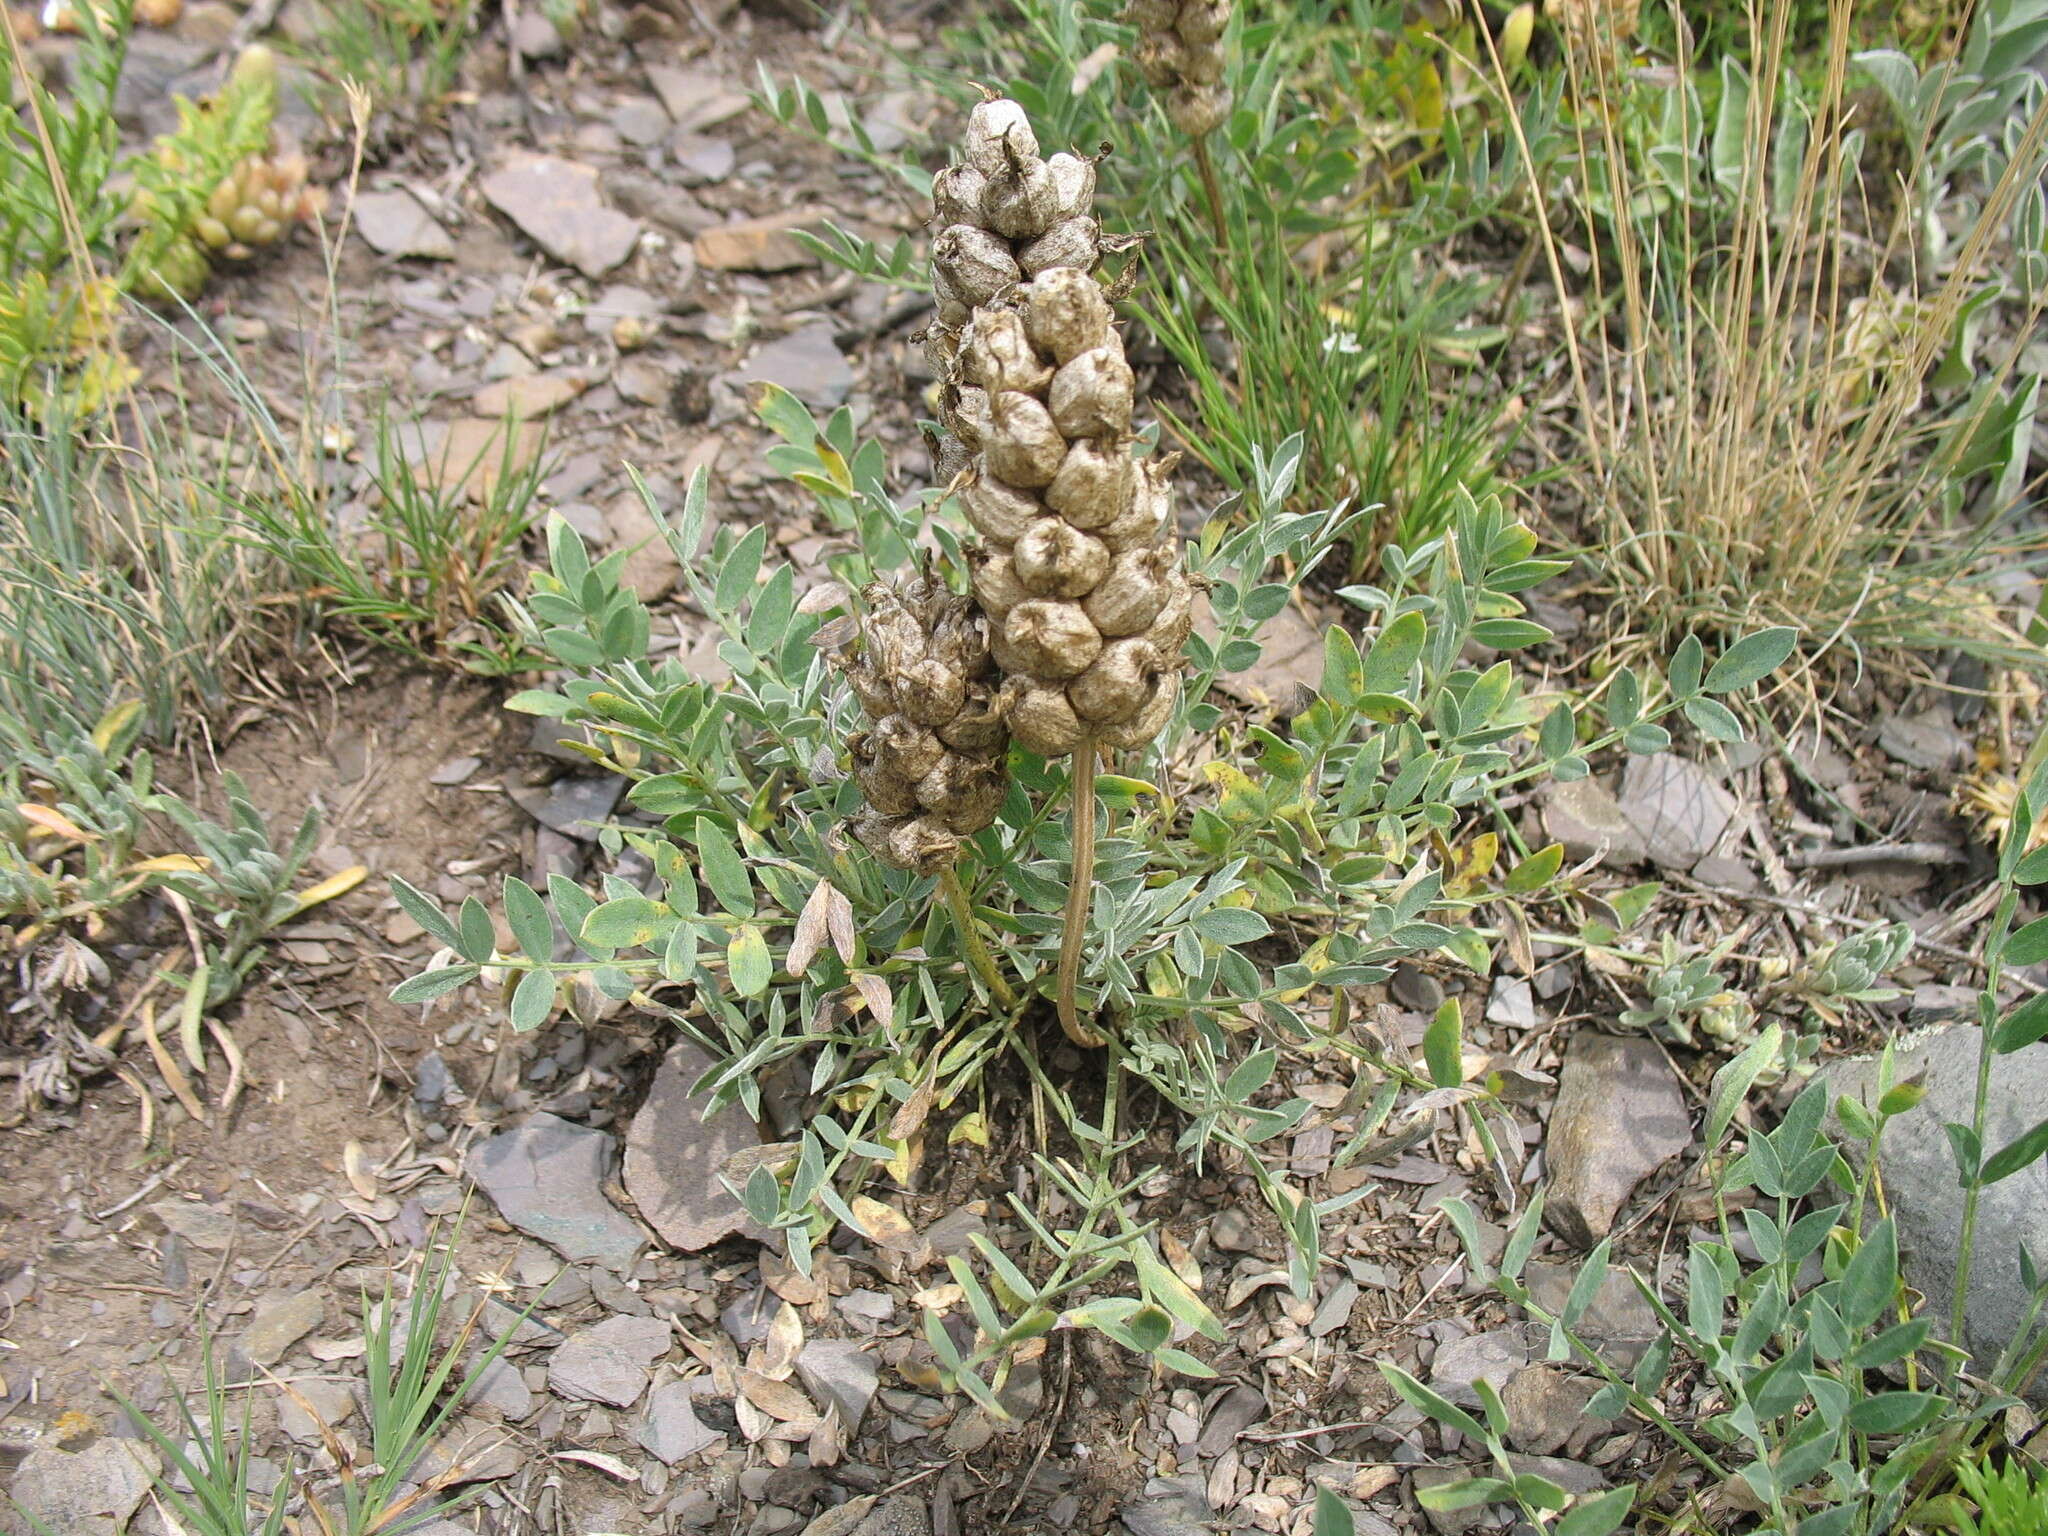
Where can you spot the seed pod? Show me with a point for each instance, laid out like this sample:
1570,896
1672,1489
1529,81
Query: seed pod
965,413
1118,684
999,512
956,195
1051,639
1199,109
1093,393
1203,66
1170,630
1021,204
1203,21
1043,721
1150,718
1073,185
1161,58
908,842
881,786
996,586
977,265
996,355
1134,592
1182,60
1024,448
998,136
1075,242
1147,517
1095,483
1152,15
1066,313
1056,559
907,748
930,692
978,728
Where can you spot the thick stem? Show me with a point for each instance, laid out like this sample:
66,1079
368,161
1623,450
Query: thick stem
1214,190
1080,893
970,938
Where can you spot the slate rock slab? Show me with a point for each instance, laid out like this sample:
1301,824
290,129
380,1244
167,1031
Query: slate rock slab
557,204
669,1427
674,1157
840,1372
807,362
546,1177
608,1362
756,245
1619,1323
1920,1179
1620,1113
395,224
1589,821
89,1492
275,1327
1676,807
1493,1357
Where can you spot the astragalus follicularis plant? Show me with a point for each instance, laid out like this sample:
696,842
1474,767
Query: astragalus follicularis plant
1079,573
1180,54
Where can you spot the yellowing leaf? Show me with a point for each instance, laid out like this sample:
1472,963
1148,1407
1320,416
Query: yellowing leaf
53,821
969,1128
113,723
333,886
1233,779
884,1225
1317,959
169,864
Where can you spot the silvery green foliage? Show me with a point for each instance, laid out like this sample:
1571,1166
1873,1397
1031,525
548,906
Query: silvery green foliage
1223,929
1689,999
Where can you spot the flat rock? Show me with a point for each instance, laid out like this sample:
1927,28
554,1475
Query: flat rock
651,569
1450,1522
312,1403
1574,1477
1676,807
275,1327
1512,1003
470,453
1928,740
696,98
807,362
546,1177
89,1492
1235,1412
502,1387
1619,1323
203,1226
608,1362
528,396
700,160
674,1157
756,245
840,1372
1545,1408
1493,1356
577,805
397,224
1619,1114
558,205
471,1452
1588,820
669,1427
1176,1506
1920,1179
1290,665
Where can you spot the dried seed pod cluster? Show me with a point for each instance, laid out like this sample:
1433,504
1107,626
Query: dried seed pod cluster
1079,573
1000,217
1180,54
930,765
255,203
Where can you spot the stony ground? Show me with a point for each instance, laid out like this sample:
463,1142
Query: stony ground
601,248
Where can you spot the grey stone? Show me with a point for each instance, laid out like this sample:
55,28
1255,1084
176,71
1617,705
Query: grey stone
608,1362
1334,1311
651,569
153,66
1620,1113
312,1403
620,301
1176,1506
700,160
1574,1477
454,771
276,1326
696,98
1231,1230
840,1372
1512,1003
807,362
89,1492
1413,987
470,1452
953,1234
203,1226
1928,740
1920,1180
1676,807
674,1157
1235,1412
1588,820
431,1081
500,1386
1619,1323
1450,1522
641,120
669,1427
546,1177
557,204
1545,1408
1493,1356
536,36
576,806
395,224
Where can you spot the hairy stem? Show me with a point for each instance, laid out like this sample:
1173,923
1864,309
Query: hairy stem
1213,189
970,938
1080,892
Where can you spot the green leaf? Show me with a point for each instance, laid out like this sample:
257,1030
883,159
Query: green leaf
1624,699
428,985
2023,1151
1733,1082
1686,662
2030,945
1333,1515
1713,719
425,911
2033,869
538,701
1598,1516
1536,871
1343,670
626,922
1645,738
1438,1407
736,576
1442,1045
528,916
2023,1026
1893,1413
747,961
1558,733
724,871
1751,659
1870,1278
533,1000
479,938
1394,653
1231,925
1508,634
